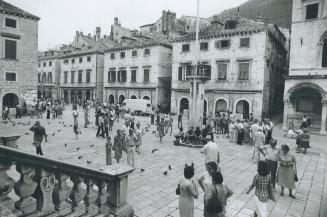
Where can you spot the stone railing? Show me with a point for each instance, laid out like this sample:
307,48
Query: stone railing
43,188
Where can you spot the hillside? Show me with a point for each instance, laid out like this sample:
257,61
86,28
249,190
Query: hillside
276,11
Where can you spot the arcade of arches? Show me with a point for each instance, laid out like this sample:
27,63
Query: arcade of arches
121,98
305,99
76,95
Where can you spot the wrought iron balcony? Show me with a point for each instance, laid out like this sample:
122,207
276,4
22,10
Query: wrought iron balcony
43,189
198,72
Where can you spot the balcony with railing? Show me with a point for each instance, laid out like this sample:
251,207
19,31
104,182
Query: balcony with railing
201,72
48,187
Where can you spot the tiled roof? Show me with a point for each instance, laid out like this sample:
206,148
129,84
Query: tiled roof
98,47
144,40
214,31
13,10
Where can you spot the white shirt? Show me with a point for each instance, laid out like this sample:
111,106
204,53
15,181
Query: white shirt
210,151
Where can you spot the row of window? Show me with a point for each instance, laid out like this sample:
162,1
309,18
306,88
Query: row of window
79,77
80,60
220,44
44,78
122,54
222,70
45,64
121,75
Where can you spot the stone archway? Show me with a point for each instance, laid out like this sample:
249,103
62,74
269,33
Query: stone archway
111,98
243,108
146,97
10,100
133,97
220,106
121,99
305,99
183,104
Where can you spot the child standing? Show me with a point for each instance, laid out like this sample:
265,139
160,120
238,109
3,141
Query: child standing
76,129
108,151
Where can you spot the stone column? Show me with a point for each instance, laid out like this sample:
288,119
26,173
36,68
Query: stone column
323,117
117,199
285,125
69,97
83,95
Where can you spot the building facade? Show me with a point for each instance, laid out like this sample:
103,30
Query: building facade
18,56
306,85
138,69
49,66
245,60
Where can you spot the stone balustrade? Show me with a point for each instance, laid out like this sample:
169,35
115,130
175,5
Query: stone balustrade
43,188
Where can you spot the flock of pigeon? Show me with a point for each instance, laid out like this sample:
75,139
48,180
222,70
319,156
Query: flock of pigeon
28,124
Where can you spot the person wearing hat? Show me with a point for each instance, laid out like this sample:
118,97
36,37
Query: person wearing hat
131,142
39,132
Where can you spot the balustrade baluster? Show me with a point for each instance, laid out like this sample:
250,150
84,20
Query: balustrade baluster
43,193
24,188
6,186
60,195
102,197
90,198
77,195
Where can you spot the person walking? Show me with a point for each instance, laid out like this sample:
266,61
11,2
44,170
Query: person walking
76,130
108,151
286,171
86,115
118,145
139,133
161,129
131,142
75,113
240,132
262,183
170,123
100,126
211,153
106,125
303,142
39,133
188,192
259,141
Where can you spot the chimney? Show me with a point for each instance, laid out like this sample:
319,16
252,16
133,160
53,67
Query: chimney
77,33
98,33
116,21
81,33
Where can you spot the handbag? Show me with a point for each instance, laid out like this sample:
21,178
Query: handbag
178,191
213,204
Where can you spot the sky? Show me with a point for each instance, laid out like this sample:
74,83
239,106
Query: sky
60,19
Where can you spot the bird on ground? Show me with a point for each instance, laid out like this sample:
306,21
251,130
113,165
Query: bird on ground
77,148
169,167
88,161
53,134
59,130
153,150
71,125
153,132
65,125
165,173
49,123
80,157
142,170
100,169
91,145
65,144
59,122
27,134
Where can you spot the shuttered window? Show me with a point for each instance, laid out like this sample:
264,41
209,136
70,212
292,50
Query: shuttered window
10,49
146,75
243,70
133,75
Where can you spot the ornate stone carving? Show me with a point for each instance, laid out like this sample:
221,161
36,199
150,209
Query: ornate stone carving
90,197
60,195
24,188
6,186
44,191
77,195
102,197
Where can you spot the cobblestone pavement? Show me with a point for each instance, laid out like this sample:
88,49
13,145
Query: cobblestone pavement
151,193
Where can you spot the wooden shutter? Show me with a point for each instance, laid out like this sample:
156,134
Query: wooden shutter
180,73
10,49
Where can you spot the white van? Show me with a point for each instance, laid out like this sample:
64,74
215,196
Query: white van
137,106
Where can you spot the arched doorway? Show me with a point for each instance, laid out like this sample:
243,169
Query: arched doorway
66,96
80,95
146,97
88,95
121,99
183,104
111,98
221,106
133,97
242,107
305,100
10,100
205,112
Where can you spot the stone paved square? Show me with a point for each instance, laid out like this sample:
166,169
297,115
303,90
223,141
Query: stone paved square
151,193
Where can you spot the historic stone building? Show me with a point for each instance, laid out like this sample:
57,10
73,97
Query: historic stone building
245,60
306,85
82,63
18,55
138,68
49,67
